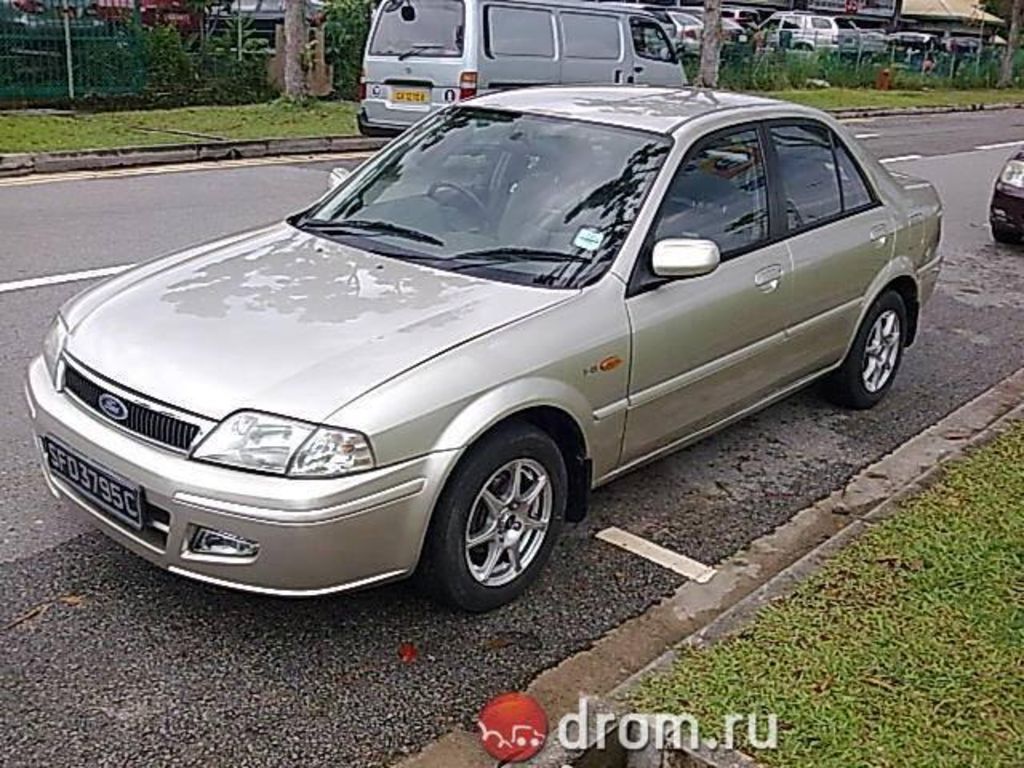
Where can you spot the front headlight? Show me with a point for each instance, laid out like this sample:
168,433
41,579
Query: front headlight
53,345
265,443
1013,174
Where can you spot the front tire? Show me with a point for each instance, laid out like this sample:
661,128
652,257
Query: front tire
870,367
496,521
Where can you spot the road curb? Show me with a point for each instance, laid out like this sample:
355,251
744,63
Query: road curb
851,114
700,614
26,164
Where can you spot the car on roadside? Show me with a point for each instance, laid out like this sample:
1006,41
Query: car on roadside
689,28
524,297
802,31
1006,210
424,55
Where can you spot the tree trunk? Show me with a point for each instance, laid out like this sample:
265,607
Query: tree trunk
294,45
711,44
1012,44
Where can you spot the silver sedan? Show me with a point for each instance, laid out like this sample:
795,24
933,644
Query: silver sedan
522,298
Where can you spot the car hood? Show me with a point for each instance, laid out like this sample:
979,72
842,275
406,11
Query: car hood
283,321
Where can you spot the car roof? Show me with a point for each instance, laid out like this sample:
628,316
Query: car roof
661,110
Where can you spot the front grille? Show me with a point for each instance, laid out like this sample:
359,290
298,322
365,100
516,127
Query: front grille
159,427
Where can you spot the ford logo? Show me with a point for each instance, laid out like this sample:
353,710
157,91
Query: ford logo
113,407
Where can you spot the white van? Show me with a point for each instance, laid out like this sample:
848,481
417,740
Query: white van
424,54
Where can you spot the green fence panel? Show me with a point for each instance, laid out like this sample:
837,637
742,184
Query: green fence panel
56,50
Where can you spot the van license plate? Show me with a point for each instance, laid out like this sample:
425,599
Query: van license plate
410,97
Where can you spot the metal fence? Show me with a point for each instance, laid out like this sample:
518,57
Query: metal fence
758,66
69,49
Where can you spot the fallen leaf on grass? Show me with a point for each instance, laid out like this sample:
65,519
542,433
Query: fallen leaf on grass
73,600
880,683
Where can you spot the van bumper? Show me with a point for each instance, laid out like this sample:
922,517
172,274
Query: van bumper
377,130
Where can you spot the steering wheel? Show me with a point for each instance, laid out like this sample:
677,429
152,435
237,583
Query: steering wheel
448,193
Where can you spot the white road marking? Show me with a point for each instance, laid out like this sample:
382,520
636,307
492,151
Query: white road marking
866,135
900,158
67,277
1001,145
666,558
153,170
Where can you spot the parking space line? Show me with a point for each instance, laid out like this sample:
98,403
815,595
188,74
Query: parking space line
866,135
67,277
1001,145
900,158
657,554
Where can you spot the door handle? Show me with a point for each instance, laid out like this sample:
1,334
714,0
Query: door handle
768,279
879,234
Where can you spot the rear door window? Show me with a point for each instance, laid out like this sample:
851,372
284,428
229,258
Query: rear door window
588,36
520,32
855,191
807,174
419,28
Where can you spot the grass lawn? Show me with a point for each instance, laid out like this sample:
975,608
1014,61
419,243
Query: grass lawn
856,98
906,650
106,130
38,133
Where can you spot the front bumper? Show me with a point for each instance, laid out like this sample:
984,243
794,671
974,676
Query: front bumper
1007,209
314,536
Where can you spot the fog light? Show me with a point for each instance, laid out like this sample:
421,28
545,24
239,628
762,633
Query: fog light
206,541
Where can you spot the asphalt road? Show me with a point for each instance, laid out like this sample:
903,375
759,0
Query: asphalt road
141,667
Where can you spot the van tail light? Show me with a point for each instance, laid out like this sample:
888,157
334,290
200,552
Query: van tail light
467,85
362,85
690,33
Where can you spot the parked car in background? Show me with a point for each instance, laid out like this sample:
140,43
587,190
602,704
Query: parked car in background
1006,211
814,32
748,18
422,55
264,15
689,29
523,298
914,41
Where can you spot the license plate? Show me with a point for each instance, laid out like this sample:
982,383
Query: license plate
742,38
409,97
115,496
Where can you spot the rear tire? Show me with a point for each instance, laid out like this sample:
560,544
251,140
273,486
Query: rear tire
508,493
1004,235
870,367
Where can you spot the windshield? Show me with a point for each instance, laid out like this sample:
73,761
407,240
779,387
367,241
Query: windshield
419,27
515,197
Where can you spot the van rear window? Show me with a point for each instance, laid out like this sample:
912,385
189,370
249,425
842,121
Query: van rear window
419,28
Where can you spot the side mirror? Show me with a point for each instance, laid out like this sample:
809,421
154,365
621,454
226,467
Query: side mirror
338,175
678,257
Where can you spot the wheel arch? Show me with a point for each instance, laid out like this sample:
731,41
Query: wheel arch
557,416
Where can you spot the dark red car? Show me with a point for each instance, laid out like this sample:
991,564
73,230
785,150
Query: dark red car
1006,214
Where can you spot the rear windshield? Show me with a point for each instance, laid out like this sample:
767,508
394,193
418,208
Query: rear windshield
419,28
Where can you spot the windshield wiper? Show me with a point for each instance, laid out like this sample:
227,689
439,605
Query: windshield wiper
486,256
373,227
416,49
